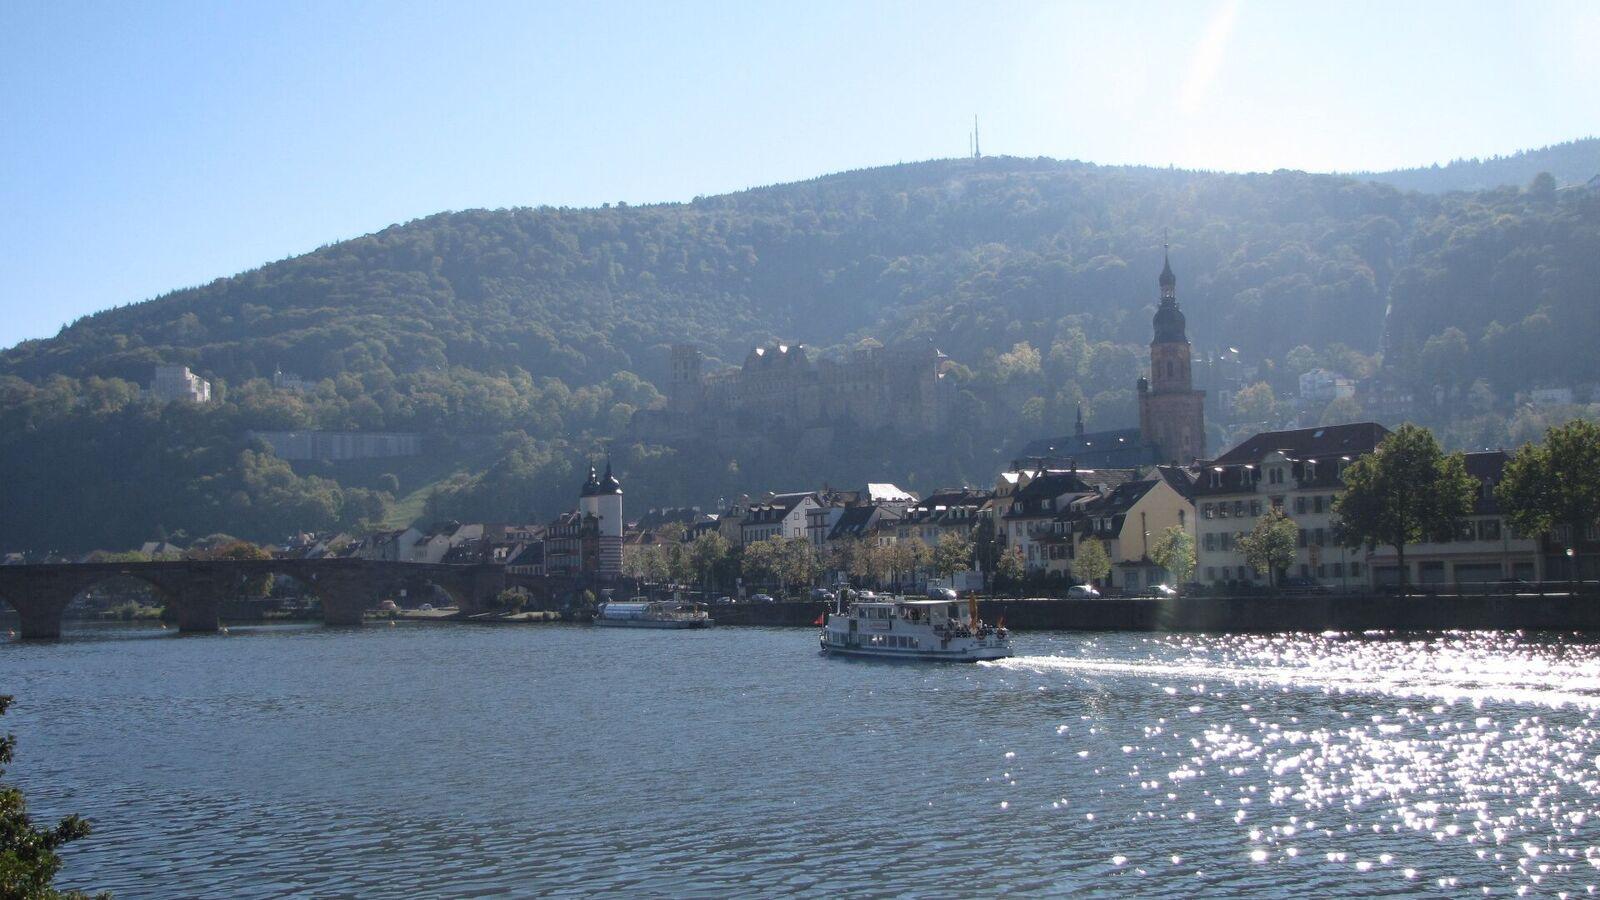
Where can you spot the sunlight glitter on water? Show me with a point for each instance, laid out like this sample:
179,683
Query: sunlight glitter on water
1452,669
459,761
1498,763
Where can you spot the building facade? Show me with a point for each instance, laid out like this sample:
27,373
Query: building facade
898,388
178,383
1299,472
600,498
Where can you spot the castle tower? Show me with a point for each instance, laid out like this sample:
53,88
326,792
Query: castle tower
601,497
684,386
608,505
1171,411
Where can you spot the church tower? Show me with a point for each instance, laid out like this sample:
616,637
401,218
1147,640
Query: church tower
1171,411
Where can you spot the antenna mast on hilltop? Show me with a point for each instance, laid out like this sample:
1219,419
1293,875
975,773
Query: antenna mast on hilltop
977,150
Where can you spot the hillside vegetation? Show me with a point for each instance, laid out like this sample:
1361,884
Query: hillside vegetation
1569,163
539,332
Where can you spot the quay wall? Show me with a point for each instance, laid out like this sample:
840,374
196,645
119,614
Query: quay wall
1346,612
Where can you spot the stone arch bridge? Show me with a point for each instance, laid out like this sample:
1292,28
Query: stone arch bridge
196,589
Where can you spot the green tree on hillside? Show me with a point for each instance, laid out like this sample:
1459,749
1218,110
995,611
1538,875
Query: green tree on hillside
1555,483
1092,563
1269,547
1011,568
952,554
1407,490
29,860
1174,551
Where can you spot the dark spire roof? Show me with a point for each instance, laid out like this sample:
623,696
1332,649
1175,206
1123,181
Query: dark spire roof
592,485
609,483
1170,326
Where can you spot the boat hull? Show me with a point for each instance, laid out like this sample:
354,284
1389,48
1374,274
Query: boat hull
969,654
654,623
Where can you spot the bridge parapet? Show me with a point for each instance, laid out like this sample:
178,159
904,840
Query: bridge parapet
195,588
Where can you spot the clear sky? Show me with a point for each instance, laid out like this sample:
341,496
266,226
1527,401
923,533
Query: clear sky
151,146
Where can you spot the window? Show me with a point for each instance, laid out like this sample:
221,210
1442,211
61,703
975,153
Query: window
1338,570
1222,510
1275,475
1255,507
1181,517
1210,543
1355,570
1238,508
1320,538
1316,503
1299,506
1305,570
1205,511
1322,570
1211,574
1216,478
1227,540
1302,539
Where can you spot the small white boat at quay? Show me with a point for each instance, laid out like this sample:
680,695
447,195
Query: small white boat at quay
891,628
653,614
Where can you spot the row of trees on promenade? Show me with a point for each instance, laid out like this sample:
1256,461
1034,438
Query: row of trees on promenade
712,562
1173,550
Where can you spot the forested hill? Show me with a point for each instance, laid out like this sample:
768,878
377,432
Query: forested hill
969,255
1570,163
543,330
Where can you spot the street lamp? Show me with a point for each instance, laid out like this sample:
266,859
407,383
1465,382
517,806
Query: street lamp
1572,572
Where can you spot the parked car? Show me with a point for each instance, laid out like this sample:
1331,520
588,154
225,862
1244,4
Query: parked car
762,598
1160,590
426,607
722,600
1082,592
942,593
1301,585
822,594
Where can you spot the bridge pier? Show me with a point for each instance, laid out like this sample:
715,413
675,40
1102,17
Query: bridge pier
343,611
345,597
40,617
198,611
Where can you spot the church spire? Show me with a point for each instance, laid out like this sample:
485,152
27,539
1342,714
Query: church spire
1169,323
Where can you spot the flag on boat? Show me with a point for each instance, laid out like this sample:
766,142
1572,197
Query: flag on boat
1002,622
821,619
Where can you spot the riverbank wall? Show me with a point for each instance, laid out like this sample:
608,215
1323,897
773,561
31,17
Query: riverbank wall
1245,615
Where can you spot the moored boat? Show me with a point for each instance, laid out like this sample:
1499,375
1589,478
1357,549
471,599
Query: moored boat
893,628
641,613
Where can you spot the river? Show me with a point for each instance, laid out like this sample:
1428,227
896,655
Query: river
458,761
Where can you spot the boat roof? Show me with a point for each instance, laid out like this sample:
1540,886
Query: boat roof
917,602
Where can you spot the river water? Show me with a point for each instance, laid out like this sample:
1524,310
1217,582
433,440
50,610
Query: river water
433,760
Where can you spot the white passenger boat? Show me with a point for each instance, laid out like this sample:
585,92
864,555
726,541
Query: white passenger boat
653,614
914,629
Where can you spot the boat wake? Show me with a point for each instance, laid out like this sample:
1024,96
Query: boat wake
1503,680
